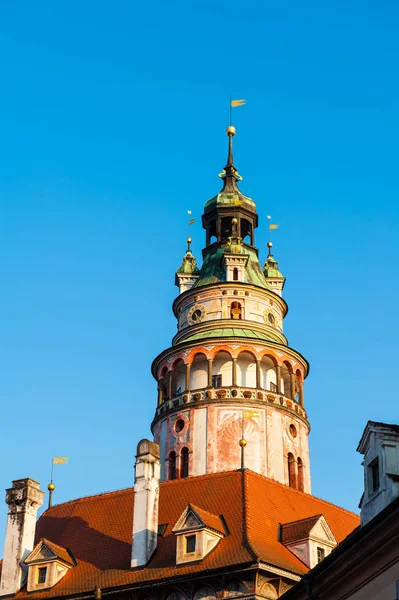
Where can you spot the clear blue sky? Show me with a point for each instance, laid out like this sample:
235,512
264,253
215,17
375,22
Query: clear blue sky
112,126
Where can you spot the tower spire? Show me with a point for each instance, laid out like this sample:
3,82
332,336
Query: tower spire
230,174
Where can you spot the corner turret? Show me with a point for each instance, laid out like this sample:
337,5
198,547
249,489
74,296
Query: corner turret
188,273
273,275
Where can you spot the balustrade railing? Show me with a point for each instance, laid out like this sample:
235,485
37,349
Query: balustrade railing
234,393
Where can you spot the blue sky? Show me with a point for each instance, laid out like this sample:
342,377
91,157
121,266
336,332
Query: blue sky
112,123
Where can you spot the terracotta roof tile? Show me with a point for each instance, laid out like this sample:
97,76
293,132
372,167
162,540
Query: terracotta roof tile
98,530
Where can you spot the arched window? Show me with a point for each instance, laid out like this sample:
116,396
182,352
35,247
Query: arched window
300,475
184,462
235,274
291,470
236,310
172,465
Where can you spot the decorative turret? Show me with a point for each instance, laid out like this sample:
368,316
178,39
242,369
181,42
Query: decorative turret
230,204
274,277
230,374
188,273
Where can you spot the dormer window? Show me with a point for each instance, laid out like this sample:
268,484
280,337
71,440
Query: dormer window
311,539
191,542
41,574
197,532
375,475
47,564
320,554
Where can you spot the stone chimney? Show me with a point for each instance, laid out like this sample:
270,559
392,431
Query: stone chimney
23,499
146,495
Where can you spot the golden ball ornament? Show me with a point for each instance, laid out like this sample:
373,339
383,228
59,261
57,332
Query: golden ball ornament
51,487
231,130
242,443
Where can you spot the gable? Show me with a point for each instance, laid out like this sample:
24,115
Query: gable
322,532
40,553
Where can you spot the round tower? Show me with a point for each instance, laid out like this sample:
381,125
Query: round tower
230,376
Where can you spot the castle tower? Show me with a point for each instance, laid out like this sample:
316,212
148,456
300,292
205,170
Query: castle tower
230,374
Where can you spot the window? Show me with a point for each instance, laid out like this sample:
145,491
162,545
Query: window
301,485
235,274
179,425
216,380
273,387
291,471
320,554
41,575
190,543
375,475
184,462
172,465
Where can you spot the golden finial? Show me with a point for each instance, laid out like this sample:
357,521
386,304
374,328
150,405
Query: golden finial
231,130
234,220
51,487
242,442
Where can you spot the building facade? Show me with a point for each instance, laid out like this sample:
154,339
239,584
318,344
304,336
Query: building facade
221,505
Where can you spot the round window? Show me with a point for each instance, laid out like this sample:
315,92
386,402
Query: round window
196,316
179,425
271,318
293,431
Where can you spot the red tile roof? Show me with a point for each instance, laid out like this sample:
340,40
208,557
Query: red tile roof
98,529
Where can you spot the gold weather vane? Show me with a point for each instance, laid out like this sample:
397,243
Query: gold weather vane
271,226
57,460
235,104
190,221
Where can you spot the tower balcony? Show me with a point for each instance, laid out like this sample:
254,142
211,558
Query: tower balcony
256,397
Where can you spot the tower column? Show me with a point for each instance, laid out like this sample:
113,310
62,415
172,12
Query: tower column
210,363
293,385
219,229
170,384
301,397
258,374
234,374
159,394
278,378
188,375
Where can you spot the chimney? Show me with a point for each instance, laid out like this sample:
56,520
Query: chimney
23,499
146,495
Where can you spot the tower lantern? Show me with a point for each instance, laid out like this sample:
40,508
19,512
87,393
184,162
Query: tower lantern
230,357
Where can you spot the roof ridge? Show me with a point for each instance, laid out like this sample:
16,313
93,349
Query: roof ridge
246,524
205,476
274,482
86,498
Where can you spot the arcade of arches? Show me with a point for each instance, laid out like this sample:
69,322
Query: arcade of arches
224,370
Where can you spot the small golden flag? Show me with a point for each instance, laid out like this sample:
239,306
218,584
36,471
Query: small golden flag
60,460
192,221
247,414
273,226
235,103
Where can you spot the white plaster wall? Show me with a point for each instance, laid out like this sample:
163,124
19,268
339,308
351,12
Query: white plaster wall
275,455
200,440
246,371
199,373
223,365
